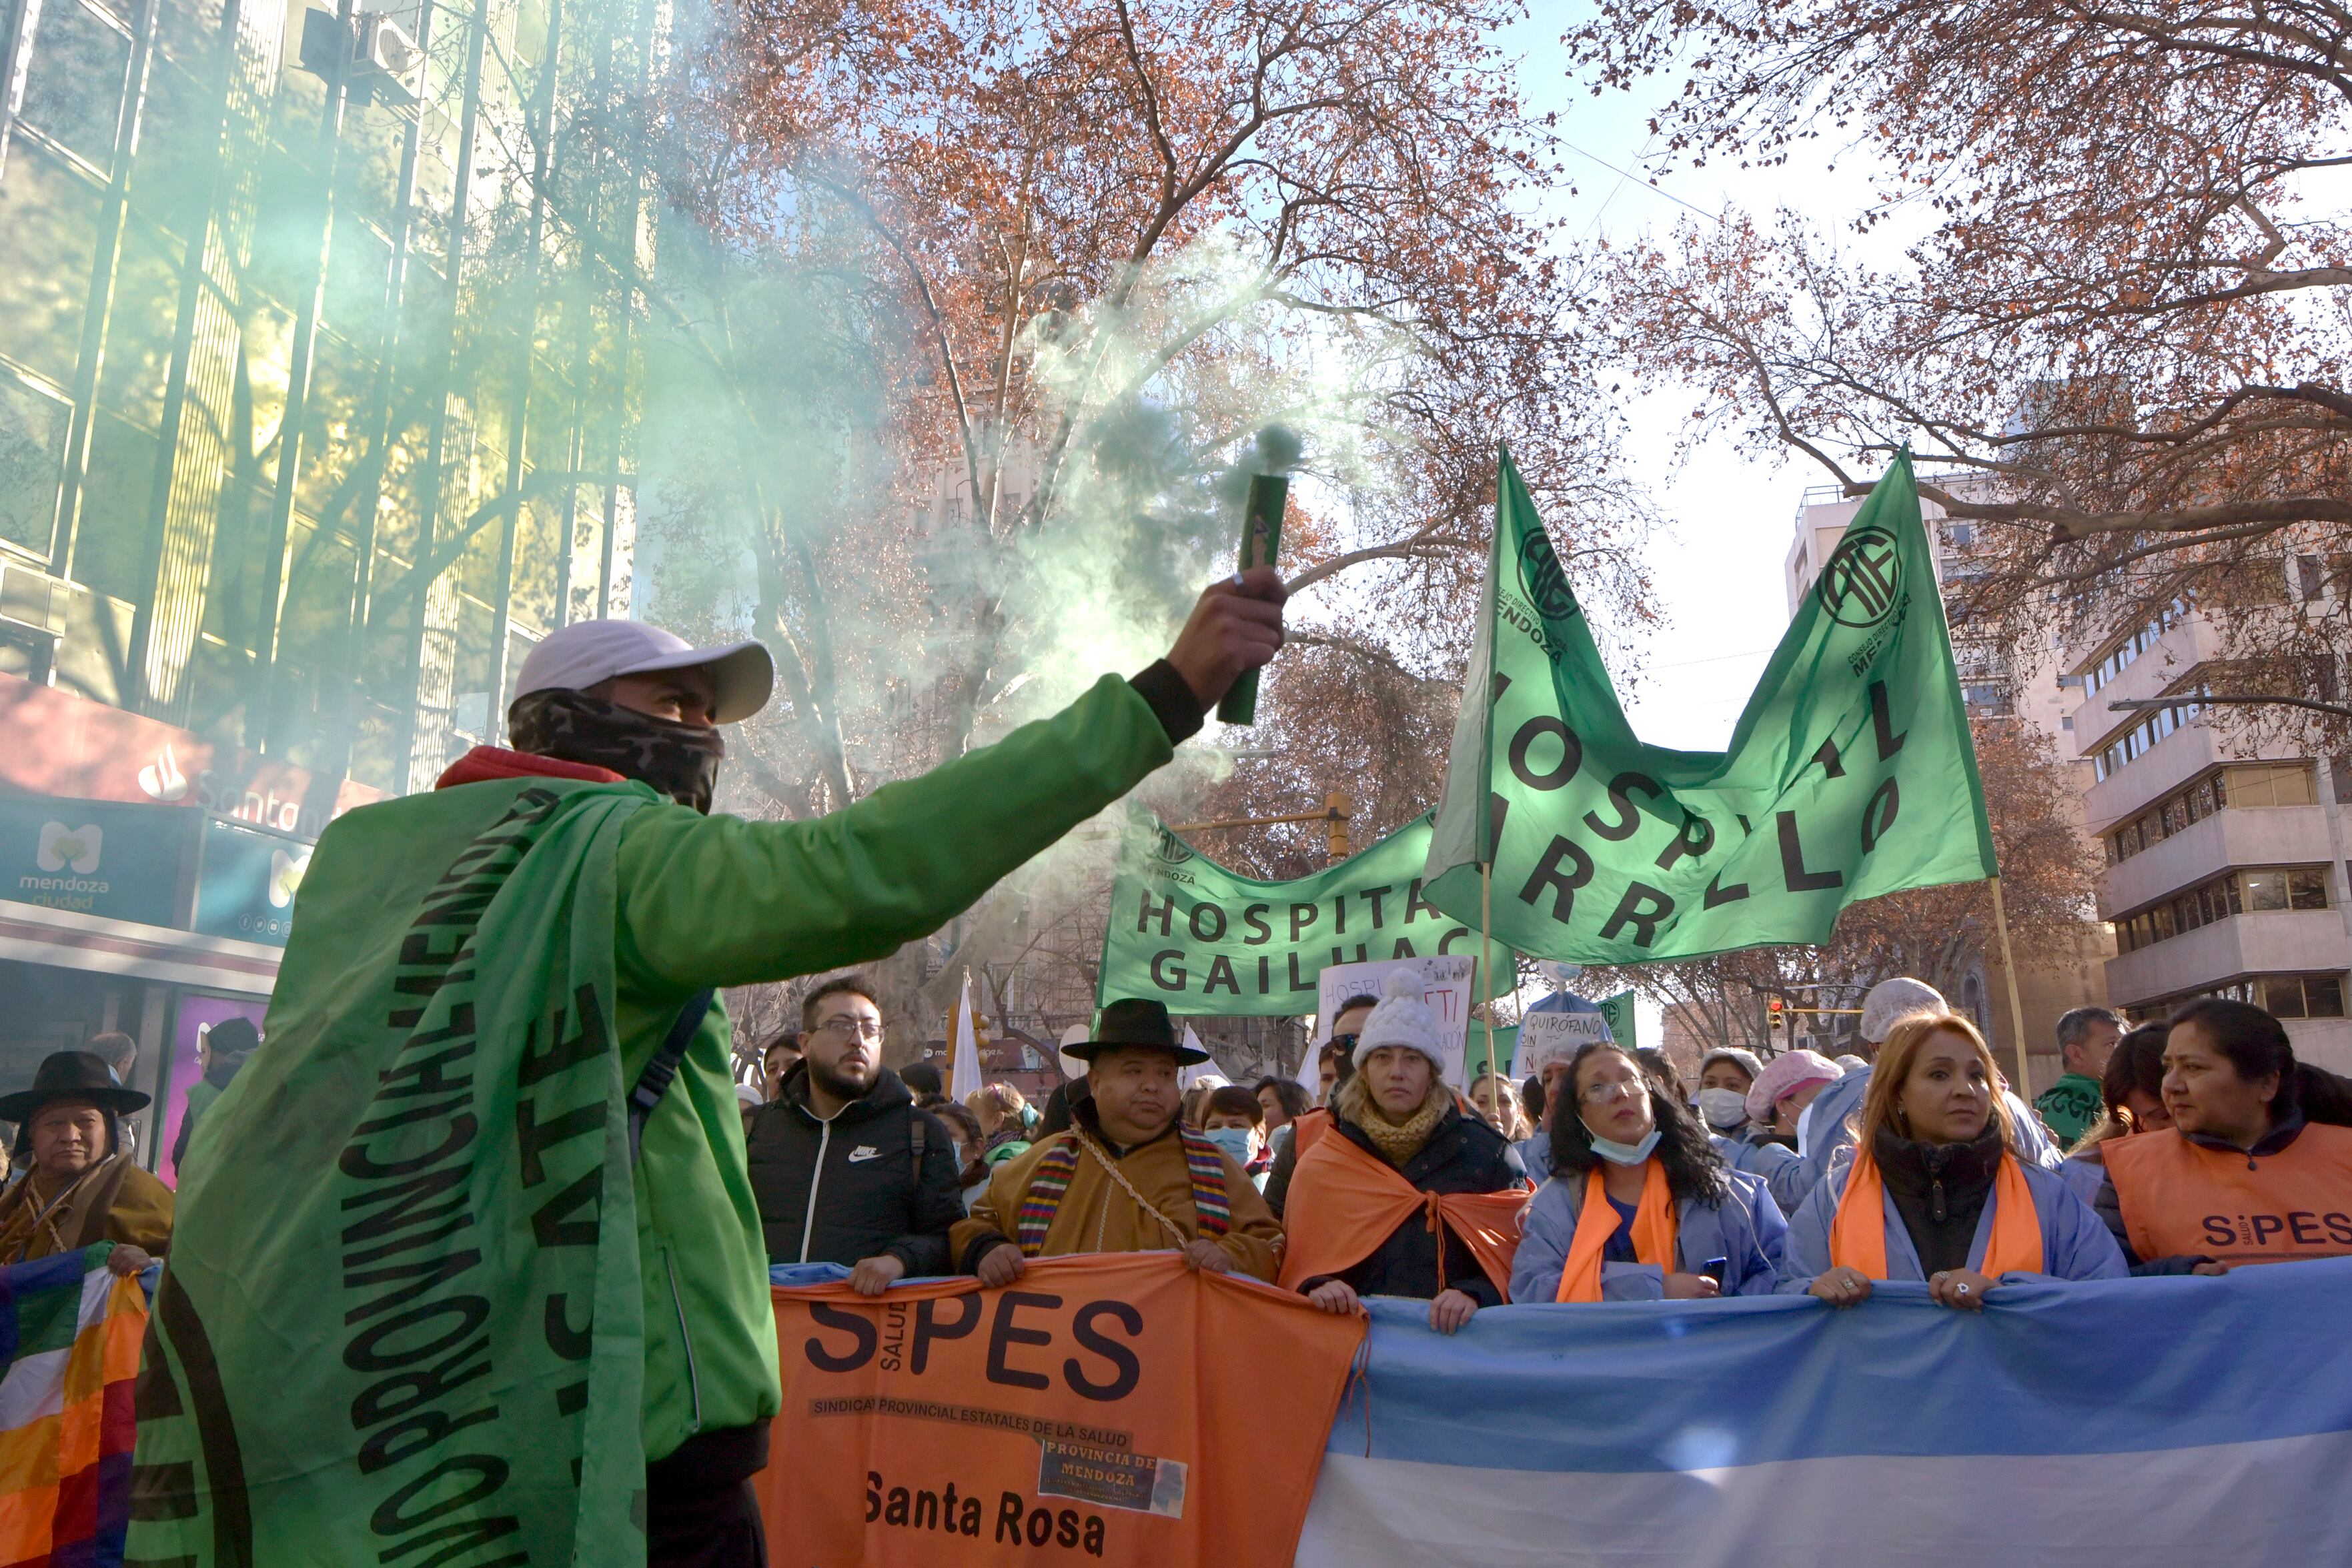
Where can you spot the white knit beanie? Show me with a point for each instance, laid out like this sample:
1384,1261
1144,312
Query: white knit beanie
1402,1018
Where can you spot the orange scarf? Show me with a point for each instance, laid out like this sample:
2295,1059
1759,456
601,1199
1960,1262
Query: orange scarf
1858,1235
1343,1204
1654,1232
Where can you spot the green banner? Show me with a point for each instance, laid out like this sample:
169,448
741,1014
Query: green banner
1186,931
1851,773
1624,1028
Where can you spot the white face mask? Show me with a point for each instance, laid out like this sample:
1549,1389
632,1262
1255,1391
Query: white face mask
1618,1153
1723,1108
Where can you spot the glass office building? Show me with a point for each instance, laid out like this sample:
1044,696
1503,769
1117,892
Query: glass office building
318,337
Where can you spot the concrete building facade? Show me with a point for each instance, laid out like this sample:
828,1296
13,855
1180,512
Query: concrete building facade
2226,868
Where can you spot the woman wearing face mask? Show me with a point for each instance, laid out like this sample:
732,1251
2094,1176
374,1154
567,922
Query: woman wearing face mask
2131,1095
2257,1165
1411,1198
1640,1205
1934,1189
1726,1076
1233,1119
972,1168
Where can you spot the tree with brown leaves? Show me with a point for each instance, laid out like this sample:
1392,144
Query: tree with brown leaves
1087,251
2123,329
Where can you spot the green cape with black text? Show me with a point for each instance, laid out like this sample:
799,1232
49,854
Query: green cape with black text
1851,773
401,1320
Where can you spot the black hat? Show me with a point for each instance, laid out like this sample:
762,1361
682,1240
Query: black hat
1137,1023
70,1075
232,1039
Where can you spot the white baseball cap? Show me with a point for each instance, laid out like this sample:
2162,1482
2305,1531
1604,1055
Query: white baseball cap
587,652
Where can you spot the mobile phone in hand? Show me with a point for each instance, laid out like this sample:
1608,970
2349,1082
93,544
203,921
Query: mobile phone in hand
1716,1268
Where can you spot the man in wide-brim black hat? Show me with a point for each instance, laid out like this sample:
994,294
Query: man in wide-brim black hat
1126,1175
80,1184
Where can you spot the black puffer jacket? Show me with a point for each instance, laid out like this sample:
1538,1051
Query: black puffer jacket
851,1187
1463,1155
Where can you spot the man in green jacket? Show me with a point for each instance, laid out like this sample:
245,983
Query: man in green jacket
397,1314
2086,1038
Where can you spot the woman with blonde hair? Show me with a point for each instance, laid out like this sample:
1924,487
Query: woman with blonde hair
1934,1189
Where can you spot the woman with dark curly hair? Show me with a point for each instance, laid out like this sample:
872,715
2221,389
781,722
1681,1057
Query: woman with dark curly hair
1640,1205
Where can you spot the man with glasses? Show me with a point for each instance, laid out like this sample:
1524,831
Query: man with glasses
846,1168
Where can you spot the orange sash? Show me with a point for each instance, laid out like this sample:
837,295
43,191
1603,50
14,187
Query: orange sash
1306,1129
1344,1203
1656,1232
1858,1235
2182,1197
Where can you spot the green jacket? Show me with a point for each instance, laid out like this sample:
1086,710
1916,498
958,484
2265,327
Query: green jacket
2070,1106
717,901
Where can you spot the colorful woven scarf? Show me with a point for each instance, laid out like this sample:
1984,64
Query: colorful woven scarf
1050,1183
1206,1163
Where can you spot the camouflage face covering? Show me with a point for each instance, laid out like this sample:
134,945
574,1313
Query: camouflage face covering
681,760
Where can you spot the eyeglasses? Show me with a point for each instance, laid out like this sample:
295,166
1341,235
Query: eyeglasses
852,1028
1612,1089
1346,1043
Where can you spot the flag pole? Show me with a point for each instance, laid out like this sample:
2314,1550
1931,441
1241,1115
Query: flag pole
2008,972
1486,970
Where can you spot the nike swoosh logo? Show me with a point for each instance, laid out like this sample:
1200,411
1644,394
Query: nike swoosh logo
864,1152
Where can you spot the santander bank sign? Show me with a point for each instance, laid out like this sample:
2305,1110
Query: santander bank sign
70,747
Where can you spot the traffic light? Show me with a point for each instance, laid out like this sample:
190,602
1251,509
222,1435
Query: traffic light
1777,1018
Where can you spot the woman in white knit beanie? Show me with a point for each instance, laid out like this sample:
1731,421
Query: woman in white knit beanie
1357,1215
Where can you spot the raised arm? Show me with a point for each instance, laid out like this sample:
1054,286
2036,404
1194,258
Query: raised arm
717,901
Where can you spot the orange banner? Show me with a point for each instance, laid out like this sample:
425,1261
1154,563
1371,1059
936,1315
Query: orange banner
1067,1416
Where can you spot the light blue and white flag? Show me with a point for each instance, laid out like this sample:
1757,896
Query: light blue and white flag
2127,1424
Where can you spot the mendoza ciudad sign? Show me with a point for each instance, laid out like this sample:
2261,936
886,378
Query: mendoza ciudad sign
1851,773
1186,931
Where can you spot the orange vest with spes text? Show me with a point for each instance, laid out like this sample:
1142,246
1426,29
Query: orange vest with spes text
2181,1197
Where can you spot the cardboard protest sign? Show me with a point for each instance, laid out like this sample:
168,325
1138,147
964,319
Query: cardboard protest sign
1548,1036
1446,985
1107,1408
1851,773
1185,931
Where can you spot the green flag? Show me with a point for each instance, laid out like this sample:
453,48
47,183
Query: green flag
1623,1026
402,1319
1185,931
1851,773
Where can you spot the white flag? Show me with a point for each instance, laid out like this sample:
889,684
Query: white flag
963,1062
1200,1071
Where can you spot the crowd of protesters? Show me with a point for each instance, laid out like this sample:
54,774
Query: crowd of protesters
2204,1145
2197,1146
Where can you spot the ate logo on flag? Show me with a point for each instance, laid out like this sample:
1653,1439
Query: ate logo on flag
1859,584
1851,773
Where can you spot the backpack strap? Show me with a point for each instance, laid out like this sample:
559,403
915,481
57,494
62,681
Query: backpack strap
661,1067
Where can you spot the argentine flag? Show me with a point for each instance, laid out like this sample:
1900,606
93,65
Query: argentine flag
2123,1423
